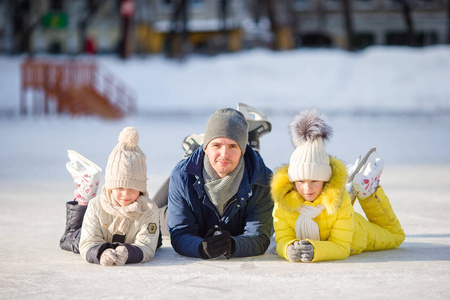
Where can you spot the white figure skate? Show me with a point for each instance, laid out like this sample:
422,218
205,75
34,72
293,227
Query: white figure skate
85,175
258,123
355,169
191,143
366,182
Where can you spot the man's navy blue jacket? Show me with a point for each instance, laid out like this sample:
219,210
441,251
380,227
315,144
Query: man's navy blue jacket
247,216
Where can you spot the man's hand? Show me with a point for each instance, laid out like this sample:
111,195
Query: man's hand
217,242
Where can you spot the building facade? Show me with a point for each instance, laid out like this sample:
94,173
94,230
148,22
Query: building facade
77,26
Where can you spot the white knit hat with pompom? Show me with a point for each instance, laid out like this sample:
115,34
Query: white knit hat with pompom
309,161
126,167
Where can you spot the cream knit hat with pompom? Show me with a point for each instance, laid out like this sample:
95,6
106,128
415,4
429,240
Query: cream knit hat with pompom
309,161
126,167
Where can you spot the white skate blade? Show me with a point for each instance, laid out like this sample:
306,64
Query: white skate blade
255,118
73,155
362,162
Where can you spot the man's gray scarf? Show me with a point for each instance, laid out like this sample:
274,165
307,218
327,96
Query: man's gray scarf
220,190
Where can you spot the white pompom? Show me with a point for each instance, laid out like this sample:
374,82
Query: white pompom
129,136
308,126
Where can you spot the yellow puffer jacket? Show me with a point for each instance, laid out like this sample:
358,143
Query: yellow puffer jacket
342,231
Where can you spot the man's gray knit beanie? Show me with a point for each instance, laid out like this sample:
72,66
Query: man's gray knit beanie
227,123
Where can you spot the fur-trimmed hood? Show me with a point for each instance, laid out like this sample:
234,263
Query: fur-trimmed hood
284,193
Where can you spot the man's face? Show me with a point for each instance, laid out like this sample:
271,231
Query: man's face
224,155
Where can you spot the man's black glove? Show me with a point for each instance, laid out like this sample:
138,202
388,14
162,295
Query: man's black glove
217,242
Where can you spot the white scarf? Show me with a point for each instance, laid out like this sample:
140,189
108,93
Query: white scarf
305,226
123,216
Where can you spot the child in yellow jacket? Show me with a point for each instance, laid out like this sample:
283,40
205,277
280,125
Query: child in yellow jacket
314,219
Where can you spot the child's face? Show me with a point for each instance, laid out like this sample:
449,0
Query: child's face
309,189
125,196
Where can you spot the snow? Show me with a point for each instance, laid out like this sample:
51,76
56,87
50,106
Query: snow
397,99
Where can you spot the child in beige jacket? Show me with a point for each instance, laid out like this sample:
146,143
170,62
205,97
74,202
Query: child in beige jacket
121,225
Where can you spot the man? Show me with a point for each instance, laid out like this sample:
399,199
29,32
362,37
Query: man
219,199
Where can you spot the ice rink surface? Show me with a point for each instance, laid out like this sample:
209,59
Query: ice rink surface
394,98
34,186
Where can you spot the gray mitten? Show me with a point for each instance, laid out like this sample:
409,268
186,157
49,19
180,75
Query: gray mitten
293,254
108,257
306,250
122,255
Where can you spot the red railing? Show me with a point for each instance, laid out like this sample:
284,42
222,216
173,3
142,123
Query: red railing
75,86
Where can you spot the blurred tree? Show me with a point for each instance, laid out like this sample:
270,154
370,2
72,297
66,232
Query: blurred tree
92,7
282,20
223,14
178,33
406,12
348,23
448,21
127,10
24,23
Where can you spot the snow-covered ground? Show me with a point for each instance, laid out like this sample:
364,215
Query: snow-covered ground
397,99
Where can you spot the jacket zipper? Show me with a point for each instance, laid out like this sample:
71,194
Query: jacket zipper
218,217
385,210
